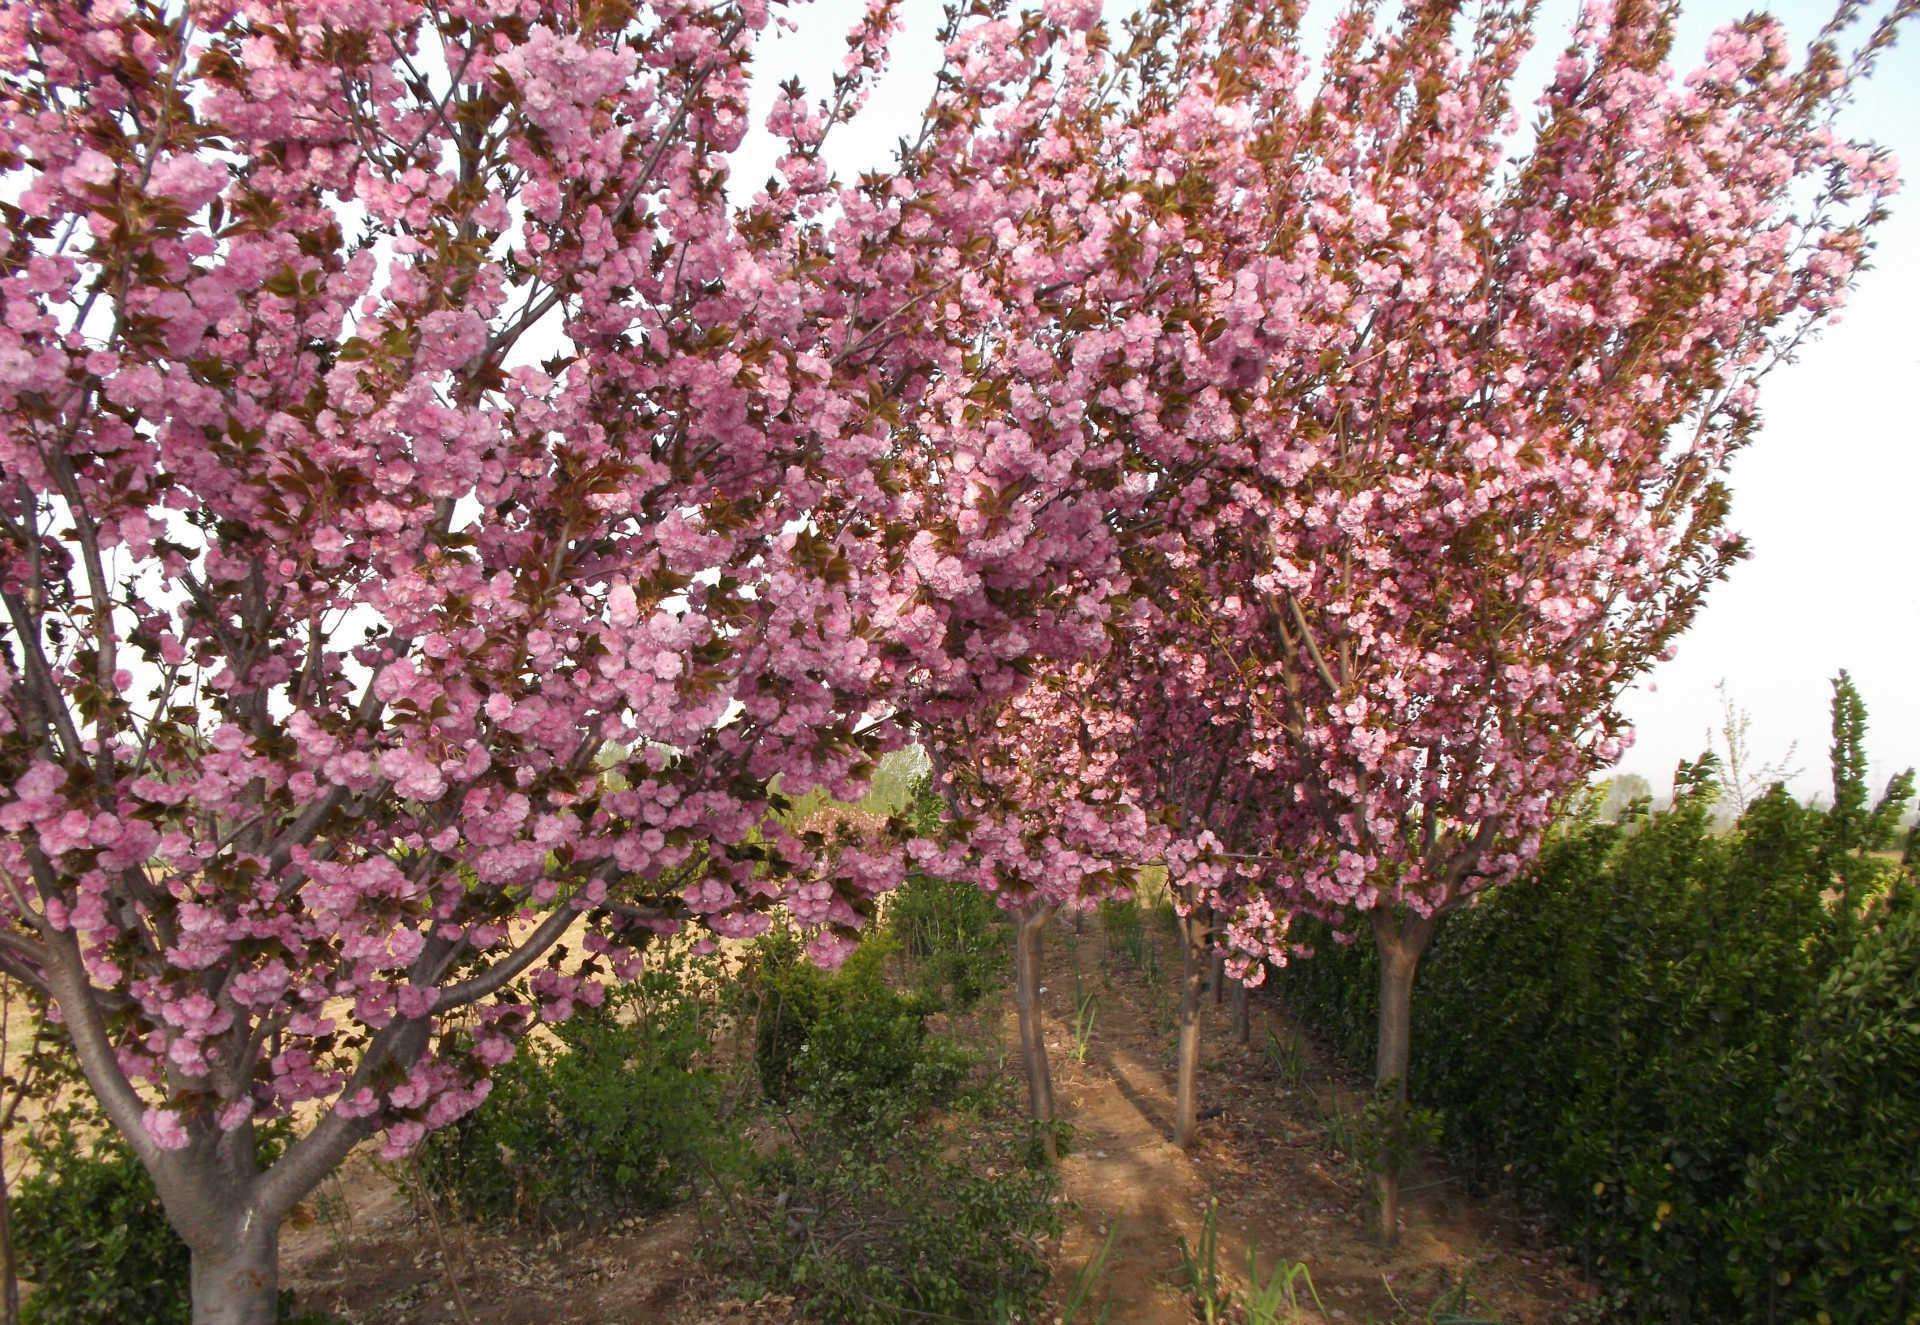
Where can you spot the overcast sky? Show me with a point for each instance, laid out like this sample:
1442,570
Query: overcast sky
1828,494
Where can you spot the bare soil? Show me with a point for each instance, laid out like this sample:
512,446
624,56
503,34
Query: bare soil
1269,1154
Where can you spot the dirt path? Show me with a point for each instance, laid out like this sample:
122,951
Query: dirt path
1270,1157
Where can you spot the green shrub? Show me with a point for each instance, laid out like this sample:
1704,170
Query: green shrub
91,1236
870,1235
1649,1035
1610,1032
784,994
845,1041
1830,1229
953,936
869,1054
1389,1132
865,1216
869,1214
617,1115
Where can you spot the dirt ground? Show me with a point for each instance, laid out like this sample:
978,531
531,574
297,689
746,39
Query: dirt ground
1270,1156
1269,1153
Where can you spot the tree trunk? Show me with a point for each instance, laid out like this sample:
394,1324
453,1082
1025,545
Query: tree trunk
1033,1042
1193,982
239,1283
1242,1014
1401,941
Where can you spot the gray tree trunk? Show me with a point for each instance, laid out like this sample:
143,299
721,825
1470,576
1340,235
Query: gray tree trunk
1401,942
1193,983
1033,1042
239,1283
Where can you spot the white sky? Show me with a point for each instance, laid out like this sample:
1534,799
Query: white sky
1829,496
1824,493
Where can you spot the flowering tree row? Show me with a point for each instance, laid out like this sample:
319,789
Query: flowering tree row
1460,421
439,528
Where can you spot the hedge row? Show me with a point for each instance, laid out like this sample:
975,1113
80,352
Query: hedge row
1691,1048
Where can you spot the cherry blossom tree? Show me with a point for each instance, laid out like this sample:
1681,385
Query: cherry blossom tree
1097,360
1429,438
434,519
1046,820
1478,487
1425,445
1094,780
